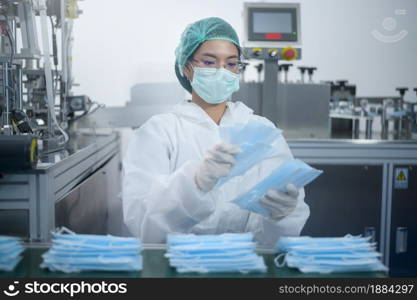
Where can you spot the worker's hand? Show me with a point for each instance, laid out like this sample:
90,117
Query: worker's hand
280,204
216,164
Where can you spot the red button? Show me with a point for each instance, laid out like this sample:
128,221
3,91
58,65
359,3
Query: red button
289,54
273,36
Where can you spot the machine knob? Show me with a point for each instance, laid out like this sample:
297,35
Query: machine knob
341,83
302,69
259,67
402,90
273,52
285,67
415,90
289,53
311,70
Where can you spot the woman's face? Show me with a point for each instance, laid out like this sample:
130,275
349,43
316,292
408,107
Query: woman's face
214,54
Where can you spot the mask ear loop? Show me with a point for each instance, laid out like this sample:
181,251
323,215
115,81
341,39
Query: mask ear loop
63,230
189,65
277,262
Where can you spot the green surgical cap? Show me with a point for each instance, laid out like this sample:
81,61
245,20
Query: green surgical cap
194,35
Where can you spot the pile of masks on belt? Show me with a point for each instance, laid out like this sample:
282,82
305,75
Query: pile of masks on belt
72,252
329,255
256,141
10,250
228,252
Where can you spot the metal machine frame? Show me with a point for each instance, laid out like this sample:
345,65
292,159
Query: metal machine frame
39,190
388,155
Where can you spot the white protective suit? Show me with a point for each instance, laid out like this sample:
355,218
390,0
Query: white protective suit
160,195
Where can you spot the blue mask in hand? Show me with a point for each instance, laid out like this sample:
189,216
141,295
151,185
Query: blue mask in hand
252,133
292,171
254,140
214,85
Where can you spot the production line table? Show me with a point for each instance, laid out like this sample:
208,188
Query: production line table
155,264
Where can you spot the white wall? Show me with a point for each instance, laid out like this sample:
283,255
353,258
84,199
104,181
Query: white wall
120,43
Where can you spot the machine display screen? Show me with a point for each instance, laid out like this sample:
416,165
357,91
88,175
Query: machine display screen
272,24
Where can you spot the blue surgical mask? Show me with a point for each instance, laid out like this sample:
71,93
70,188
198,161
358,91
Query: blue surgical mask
63,250
10,250
214,85
184,239
253,263
241,259
228,252
328,255
212,248
341,263
255,141
252,132
292,171
225,255
72,252
10,264
303,242
67,238
127,265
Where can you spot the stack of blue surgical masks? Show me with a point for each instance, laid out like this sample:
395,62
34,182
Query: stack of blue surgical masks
329,255
228,252
292,171
254,140
72,252
10,250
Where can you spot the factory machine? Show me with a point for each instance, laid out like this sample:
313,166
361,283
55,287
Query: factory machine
51,174
383,117
367,146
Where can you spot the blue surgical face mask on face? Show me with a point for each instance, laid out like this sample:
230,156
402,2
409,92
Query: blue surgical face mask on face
214,85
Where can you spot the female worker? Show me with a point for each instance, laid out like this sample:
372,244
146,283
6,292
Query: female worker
175,159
